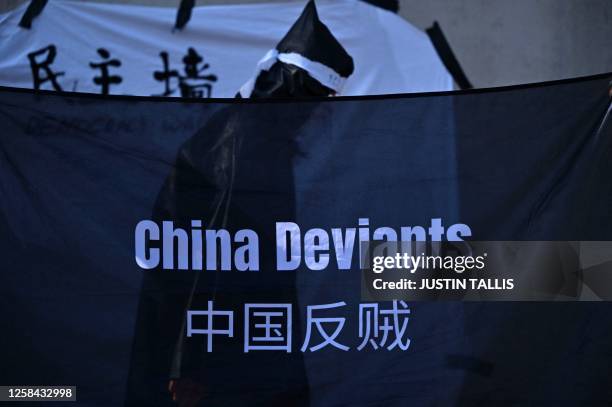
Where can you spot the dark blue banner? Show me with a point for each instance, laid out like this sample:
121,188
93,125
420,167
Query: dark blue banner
209,251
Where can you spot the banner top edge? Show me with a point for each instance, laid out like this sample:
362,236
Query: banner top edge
313,99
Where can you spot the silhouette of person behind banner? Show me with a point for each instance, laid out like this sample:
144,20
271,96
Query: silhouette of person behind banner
235,173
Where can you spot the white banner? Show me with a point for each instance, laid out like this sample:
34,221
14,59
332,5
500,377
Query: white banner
132,50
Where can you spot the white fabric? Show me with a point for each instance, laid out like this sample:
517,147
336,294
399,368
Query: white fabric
390,55
323,74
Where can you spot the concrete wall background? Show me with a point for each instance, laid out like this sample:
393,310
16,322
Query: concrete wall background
501,42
